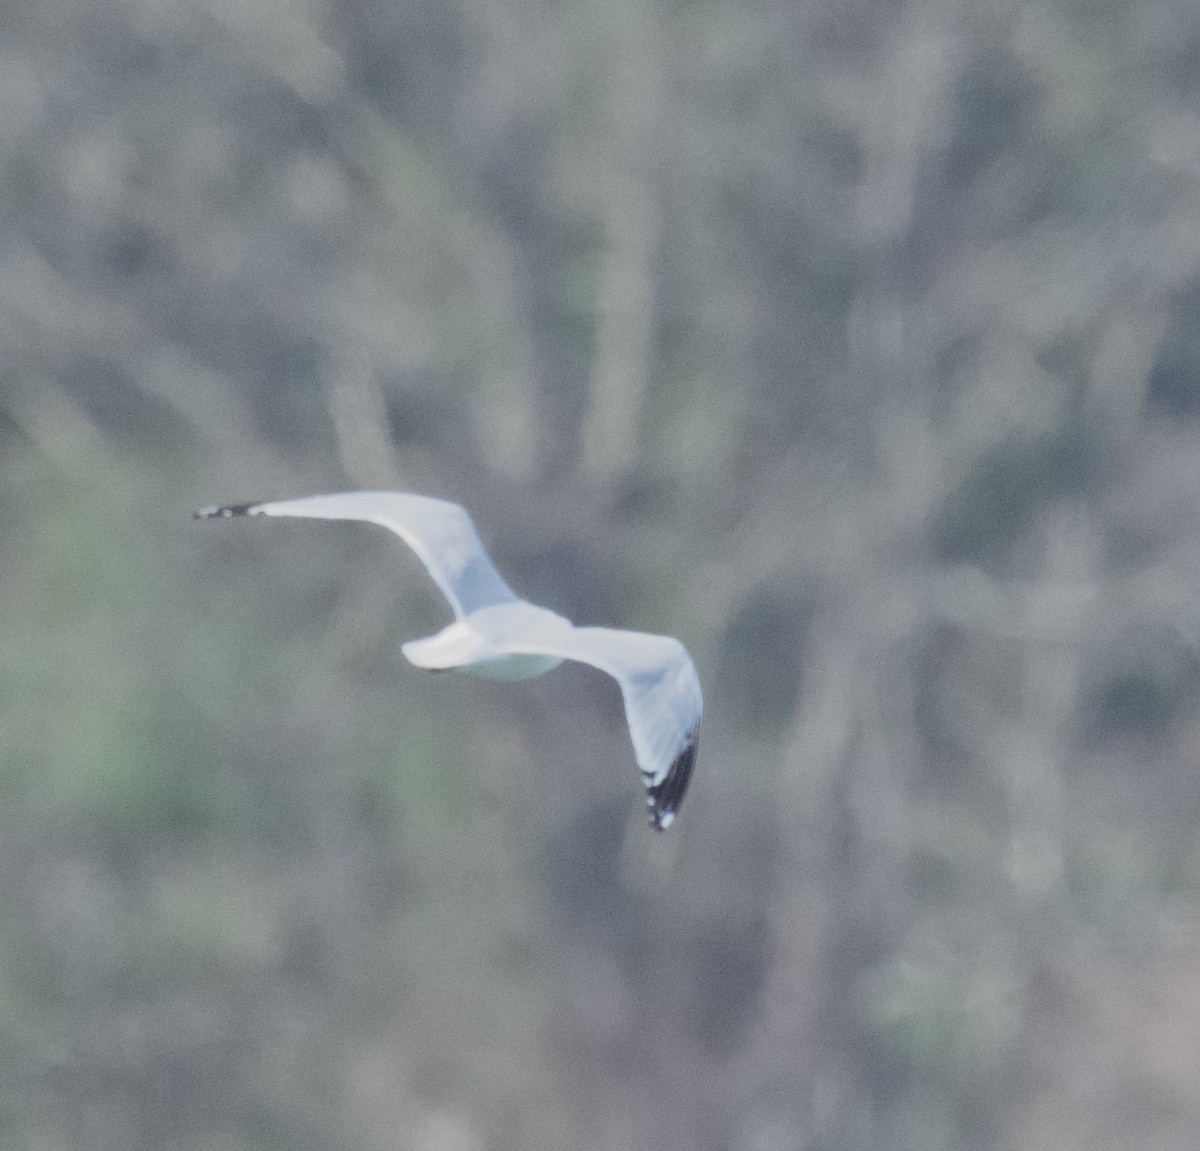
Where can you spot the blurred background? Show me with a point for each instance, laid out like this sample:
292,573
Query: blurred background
855,343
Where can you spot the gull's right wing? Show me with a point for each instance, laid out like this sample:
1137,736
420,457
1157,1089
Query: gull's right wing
661,691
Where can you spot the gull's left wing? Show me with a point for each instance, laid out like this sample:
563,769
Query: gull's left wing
441,533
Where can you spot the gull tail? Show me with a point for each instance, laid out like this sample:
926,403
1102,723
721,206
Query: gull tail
663,798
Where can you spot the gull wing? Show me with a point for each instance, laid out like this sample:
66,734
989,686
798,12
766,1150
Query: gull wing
441,533
661,690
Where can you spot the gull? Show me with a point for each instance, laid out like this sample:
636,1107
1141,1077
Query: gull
496,633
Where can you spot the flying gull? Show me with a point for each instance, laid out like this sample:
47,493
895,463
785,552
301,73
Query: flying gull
496,633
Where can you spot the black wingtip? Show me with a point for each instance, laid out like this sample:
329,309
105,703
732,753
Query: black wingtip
664,797
224,512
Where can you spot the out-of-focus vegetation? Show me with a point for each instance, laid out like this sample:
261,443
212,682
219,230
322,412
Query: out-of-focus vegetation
853,343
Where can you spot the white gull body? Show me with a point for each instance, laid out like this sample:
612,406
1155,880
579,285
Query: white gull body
498,634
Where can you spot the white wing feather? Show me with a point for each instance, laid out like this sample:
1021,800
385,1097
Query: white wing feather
440,532
659,686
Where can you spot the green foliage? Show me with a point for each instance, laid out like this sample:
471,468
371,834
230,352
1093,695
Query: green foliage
996,503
